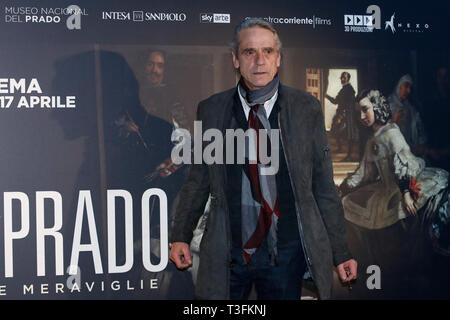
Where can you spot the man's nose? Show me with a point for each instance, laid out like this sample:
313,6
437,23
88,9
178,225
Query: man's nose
260,60
363,115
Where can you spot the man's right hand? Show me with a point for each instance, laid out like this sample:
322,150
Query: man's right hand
181,255
130,125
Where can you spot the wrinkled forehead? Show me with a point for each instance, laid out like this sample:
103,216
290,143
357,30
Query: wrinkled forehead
256,37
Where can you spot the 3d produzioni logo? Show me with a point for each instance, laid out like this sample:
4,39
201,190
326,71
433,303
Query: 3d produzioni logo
363,23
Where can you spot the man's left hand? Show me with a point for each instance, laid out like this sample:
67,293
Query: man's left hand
347,270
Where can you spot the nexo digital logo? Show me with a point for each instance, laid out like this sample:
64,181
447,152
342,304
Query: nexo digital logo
215,18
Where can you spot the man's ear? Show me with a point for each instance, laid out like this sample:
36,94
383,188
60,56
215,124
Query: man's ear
235,60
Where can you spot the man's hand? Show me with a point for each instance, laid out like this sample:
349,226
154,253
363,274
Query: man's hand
127,127
131,126
347,270
181,255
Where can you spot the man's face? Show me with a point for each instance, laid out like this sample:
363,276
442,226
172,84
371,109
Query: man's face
404,90
344,78
154,68
258,58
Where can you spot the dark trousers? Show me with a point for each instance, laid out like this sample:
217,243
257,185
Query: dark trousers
281,282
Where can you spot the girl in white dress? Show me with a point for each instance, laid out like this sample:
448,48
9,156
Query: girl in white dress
391,191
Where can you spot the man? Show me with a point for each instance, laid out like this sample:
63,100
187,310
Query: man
303,228
145,130
154,68
345,113
407,116
157,97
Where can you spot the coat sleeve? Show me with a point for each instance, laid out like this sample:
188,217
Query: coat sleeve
325,192
193,197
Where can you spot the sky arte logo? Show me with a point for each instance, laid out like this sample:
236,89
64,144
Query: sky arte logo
363,23
215,18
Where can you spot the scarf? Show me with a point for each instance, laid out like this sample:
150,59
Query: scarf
259,206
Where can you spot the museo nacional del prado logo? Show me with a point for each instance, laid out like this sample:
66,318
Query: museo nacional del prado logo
70,16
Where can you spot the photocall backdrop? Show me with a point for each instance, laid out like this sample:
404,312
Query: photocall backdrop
78,220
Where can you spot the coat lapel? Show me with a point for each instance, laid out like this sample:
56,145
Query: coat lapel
222,123
284,114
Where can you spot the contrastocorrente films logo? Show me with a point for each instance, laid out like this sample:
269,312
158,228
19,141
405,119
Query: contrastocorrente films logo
312,21
71,15
371,21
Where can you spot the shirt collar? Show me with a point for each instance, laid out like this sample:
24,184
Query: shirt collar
268,105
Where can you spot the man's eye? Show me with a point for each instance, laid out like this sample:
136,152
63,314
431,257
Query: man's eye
268,50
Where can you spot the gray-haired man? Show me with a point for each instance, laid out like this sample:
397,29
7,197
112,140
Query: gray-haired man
264,230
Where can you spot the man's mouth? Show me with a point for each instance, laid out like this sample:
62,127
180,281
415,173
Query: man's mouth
153,76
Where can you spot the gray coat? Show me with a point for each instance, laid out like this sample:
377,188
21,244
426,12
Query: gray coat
318,206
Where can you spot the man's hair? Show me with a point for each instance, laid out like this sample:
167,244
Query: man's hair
250,23
346,73
147,52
